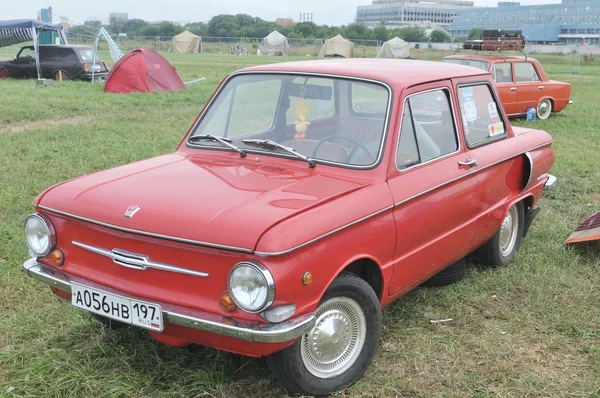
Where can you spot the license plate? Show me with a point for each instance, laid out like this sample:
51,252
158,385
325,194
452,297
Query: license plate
134,312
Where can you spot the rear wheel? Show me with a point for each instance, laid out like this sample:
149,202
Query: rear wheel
339,349
544,109
504,245
3,73
61,75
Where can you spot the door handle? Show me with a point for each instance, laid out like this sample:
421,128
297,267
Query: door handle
540,87
469,162
513,89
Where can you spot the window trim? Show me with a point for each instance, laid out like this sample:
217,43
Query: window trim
400,121
510,66
384,135
499,108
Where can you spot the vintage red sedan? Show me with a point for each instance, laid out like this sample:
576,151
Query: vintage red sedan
305,197
521,83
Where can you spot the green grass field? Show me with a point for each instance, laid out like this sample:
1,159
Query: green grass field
529,330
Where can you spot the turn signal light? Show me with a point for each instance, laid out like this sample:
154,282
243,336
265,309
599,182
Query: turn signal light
86,68
307,278
57,257
227,303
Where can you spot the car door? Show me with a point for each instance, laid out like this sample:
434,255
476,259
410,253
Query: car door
499,174
529,87
434,188
503,77
24,64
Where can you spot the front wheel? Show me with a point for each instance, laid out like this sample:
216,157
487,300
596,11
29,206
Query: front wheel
504,245
339,349
544,109
3,73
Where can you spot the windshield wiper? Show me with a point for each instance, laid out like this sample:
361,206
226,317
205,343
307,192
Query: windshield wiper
222,140
273,144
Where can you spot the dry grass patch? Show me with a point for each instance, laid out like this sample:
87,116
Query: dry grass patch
48,124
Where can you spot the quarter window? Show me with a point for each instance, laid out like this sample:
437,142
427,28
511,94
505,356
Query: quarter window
427,130
503,73
525,72
481,119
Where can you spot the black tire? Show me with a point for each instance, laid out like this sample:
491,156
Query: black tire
491,253
107,322
288,365
448,276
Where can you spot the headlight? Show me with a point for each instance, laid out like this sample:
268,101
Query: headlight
39,234
251,286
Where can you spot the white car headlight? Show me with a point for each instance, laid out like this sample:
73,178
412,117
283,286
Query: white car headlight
251,286
39,234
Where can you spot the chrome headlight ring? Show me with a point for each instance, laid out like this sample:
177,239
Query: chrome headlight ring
261,273
43,224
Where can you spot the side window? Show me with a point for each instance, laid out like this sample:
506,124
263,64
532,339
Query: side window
427,130
503,73
318,98
525,72
479,113
26,53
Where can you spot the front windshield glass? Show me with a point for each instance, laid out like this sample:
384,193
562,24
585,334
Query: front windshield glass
88,54
328,119
484,65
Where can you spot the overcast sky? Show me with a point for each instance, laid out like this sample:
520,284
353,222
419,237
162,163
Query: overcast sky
330,12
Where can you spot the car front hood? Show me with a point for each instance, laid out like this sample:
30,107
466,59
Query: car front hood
227,202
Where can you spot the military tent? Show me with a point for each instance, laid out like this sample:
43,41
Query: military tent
337,47
142,70
274,44
185,43
394,48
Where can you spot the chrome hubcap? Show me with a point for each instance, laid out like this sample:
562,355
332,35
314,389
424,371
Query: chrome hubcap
508,231
336,341
544,109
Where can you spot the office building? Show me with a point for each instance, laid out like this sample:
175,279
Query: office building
570,22
411,12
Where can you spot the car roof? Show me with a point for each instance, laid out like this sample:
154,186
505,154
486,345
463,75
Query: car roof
74,46
490,57
404,72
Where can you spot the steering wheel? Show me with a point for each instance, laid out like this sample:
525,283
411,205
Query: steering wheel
335,136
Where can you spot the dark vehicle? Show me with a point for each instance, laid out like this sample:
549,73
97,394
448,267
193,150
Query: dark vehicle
57,62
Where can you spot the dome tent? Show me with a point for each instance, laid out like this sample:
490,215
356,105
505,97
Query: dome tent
185,43
274,44
337,47
142,70
394,48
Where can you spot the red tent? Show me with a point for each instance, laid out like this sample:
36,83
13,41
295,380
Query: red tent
142,70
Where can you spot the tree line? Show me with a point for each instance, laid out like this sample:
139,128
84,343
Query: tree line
227,25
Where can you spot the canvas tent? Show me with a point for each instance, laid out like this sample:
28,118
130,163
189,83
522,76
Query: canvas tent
142,70
274,44
15,31
337,47
394,48
185,43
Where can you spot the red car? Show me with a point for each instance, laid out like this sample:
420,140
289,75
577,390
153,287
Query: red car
521,83
305,197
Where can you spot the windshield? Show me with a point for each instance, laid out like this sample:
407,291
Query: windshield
484,65
87,54
326,119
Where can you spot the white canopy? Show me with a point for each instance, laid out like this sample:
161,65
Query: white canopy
337,47
275,44
394,48
185,43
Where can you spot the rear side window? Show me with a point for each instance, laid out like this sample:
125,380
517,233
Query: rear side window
525,72
503,73
484,65
427,130
479,114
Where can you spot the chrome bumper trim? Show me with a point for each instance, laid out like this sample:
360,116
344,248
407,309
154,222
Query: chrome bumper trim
199,320
550,182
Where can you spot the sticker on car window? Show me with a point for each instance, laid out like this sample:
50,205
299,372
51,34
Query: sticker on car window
492,111
496,129
470,110
467,92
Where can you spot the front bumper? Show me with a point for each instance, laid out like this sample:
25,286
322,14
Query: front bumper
194,319
550,182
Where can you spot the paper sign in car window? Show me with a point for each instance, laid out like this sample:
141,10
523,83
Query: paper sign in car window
496,129
470,110
492,111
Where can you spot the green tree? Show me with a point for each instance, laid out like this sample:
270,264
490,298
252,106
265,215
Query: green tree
475,34
224,25
132,26
356,31
381,33
197,28
115,25
409,33
93,24
439,36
